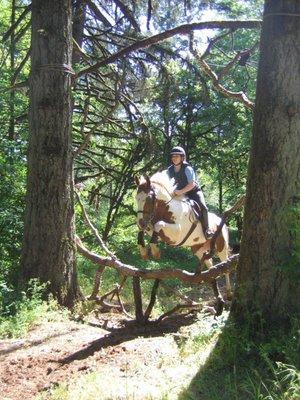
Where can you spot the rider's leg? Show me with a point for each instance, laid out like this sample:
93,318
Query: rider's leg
199,198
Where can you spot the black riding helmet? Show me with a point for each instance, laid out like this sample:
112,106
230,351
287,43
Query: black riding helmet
177,150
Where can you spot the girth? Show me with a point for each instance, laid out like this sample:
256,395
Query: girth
191,230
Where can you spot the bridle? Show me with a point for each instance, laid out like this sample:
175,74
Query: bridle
151,212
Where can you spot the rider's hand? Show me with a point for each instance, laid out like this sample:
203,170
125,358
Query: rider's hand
176,193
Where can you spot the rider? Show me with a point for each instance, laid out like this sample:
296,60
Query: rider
187,184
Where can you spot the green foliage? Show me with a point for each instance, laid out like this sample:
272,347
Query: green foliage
13,106
21,311
12,193
291,265
242,369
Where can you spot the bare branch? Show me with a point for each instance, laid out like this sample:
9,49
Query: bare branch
184,276
128,14
98,14
18,21
184,29
94,230
240,96
22,63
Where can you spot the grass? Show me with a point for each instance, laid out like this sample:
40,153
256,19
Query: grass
21,311
239,369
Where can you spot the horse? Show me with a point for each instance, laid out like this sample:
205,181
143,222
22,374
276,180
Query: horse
173,220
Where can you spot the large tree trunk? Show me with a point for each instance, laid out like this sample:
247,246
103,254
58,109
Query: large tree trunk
265,287
48,250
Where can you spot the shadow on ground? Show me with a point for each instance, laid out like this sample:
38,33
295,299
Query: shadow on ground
129,331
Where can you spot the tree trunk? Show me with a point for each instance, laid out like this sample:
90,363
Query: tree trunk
48,249
79,9
265,287
11,129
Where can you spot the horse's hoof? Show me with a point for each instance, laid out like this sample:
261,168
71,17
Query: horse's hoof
155,251
229,296
156,256
219,307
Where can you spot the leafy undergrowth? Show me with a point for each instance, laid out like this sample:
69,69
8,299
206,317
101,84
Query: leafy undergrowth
20,311
239,368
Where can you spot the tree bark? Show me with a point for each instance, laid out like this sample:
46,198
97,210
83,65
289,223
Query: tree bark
79,9
11,129
48,248
265,287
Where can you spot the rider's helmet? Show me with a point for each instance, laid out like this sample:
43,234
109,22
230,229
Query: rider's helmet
178,150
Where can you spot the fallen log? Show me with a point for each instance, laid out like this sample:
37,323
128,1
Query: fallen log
184,276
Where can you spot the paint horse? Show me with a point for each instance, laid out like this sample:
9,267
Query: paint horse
173,220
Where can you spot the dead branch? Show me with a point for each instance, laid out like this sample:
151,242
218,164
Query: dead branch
15,25
97,13
240,96
178,294
213,41
97,282
225,217
128,14
180,274
22,63
184,29
95,231
177,308
152,300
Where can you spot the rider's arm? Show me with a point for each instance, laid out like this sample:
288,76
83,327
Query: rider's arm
186,189
191,178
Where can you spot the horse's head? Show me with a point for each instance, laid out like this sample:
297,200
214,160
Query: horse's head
145,199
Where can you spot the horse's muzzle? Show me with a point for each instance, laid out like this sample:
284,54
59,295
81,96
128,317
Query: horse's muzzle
142,224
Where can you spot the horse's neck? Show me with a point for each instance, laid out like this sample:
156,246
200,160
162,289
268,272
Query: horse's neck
179,206
163,196
162,193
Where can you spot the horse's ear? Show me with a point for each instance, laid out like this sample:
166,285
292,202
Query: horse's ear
136,180
148,183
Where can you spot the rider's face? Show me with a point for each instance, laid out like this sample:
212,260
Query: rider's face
176,159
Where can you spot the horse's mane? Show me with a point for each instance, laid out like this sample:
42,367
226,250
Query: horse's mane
164,185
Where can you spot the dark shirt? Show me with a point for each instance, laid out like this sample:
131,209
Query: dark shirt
184,176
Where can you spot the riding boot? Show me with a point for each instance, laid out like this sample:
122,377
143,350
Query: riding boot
204,221
203,217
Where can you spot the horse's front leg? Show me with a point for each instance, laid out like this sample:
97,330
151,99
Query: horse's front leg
142,247
153,245
166,231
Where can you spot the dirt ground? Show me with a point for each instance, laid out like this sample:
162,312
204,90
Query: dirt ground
56,352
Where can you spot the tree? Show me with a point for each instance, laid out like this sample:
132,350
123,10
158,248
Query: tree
48,249
266,286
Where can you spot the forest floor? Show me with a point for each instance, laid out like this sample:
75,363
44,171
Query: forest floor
135,362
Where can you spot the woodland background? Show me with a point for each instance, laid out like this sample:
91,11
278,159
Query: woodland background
126,115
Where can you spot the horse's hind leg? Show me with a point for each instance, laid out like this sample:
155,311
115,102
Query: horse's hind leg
223,255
